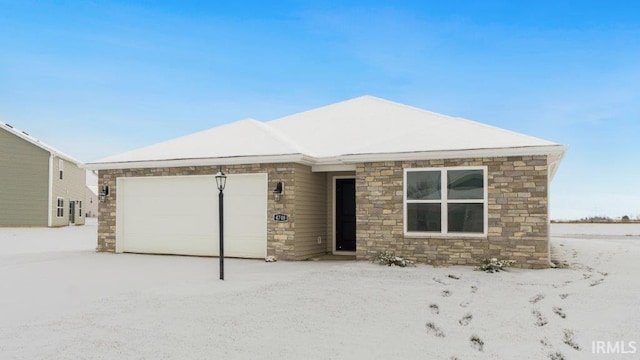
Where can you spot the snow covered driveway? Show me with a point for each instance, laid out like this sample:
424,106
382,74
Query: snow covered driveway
61,300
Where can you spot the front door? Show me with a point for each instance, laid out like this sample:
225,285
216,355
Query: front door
72,212
345,215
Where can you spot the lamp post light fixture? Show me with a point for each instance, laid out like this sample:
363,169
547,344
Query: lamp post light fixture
278,191
221,181
104,192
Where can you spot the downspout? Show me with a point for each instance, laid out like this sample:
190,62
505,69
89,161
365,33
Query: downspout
50,211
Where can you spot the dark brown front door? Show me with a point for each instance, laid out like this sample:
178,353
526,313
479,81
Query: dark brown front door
345,215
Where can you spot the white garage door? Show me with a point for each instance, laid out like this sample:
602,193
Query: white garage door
179,215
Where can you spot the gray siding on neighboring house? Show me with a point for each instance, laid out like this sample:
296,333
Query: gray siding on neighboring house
24,174
70,188
310,207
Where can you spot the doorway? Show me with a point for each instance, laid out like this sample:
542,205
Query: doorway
72,212
345,215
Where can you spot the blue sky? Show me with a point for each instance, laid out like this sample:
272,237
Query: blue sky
96,78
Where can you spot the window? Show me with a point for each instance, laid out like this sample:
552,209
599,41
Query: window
80,208
446,200
61,167
60,207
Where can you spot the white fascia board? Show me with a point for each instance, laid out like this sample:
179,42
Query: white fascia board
342,163
455,154
554,163
240,160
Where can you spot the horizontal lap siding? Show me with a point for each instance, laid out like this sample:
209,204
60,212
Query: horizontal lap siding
310,212
24,175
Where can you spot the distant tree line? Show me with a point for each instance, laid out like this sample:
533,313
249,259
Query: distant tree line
601,219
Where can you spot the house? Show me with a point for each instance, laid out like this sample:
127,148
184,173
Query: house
357,177
41,186
91,197
91,200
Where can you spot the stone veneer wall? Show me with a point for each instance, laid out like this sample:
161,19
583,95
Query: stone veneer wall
518,214
280,236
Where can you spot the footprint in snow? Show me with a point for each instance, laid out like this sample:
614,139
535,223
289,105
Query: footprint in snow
435,309
434,330
465,320
558,311
439,281
540,320
477,343
536,298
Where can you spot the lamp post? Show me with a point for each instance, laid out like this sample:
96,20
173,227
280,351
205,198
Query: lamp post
221,181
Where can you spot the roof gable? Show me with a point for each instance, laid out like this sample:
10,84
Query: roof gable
30,139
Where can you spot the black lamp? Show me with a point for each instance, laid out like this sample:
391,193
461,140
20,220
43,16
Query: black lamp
104,192
278,191
221,182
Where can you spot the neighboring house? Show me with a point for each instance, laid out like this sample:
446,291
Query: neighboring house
91,201
91,198
357,177
40,185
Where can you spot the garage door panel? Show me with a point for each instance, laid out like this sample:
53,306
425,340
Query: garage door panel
179,215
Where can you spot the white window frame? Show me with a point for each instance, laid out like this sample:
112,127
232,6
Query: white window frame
59,207
444,201
79,208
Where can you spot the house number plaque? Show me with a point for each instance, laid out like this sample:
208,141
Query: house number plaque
280,217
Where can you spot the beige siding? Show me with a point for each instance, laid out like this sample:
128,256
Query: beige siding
90,205
24,174
310,211
70,188
329,199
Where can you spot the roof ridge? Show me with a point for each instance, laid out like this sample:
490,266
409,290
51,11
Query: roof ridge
282,137
320,107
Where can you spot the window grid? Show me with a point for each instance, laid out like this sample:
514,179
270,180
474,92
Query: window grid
60,207
444,200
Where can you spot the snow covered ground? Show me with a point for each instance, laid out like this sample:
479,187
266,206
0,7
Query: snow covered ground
61,300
